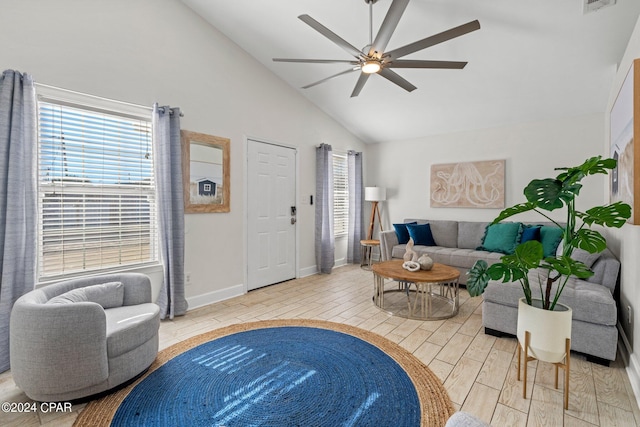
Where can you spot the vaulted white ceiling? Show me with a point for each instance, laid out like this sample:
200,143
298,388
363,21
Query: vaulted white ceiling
530,61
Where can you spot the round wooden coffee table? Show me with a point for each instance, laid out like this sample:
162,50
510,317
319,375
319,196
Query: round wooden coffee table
423,294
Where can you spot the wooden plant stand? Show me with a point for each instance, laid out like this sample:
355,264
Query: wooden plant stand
566,366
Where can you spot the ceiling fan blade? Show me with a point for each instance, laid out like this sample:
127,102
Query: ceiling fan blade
330,35
410,63
394,77
317,61
433,40
388,27
350,70
360,84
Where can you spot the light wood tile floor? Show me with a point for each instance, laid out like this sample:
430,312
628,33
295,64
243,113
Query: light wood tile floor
478,371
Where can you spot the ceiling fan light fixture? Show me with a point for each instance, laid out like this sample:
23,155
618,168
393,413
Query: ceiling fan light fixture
370,67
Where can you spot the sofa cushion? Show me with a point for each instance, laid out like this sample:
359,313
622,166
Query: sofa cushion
606,271
402,233
421,234
470,234
445,233
581,255
454,257
550,237
108,295
590,302
129,326
438,254
464,258
398,251
502,237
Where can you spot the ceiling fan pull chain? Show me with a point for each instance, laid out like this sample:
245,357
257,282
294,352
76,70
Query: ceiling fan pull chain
370,23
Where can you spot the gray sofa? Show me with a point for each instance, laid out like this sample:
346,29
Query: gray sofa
456,244
65,345
594,331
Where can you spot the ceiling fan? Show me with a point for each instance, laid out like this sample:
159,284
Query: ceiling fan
373,59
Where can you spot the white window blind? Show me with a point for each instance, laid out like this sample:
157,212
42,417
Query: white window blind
340,195
96,198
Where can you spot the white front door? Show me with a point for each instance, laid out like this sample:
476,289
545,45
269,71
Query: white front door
271,206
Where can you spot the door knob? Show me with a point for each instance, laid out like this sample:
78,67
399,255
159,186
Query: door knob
293,220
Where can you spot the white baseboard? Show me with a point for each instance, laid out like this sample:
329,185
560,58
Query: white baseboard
215,296
340,262
631,363
633,371
308,271
237,290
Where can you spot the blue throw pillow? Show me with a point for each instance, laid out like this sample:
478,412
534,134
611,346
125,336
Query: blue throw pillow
502,237
550,237
421,234
530,232
402,233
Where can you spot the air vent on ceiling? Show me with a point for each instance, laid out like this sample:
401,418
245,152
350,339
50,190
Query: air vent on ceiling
595,5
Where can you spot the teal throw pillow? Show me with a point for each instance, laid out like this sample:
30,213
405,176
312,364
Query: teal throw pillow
402,233
502,237
421,234
550,237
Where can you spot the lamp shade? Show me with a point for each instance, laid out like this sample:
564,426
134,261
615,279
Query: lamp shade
375,194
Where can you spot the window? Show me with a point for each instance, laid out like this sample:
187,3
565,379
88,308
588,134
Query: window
340,195
96,195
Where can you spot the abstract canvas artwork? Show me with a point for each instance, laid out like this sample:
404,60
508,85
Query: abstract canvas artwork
468,185
624,128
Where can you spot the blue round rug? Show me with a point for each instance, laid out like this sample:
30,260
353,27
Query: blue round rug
283,375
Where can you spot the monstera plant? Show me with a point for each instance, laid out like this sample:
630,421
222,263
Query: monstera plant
543,196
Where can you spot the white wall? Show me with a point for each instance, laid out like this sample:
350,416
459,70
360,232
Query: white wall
146,51
531,150
625,242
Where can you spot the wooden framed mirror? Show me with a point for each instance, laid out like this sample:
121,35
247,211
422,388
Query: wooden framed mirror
205,172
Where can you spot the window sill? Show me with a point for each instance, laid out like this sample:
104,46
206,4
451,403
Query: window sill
149,268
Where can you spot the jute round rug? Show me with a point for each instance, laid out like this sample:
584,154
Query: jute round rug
279,373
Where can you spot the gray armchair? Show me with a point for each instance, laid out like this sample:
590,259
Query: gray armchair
84,336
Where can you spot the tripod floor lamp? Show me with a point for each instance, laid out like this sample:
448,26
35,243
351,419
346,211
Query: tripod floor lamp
374,195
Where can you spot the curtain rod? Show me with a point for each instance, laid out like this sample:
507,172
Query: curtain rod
94,96
129,104
171,110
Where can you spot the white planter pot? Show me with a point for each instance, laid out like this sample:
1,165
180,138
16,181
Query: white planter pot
549,329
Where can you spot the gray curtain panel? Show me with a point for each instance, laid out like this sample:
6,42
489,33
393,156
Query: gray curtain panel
168,161
18,208
356,201
325,243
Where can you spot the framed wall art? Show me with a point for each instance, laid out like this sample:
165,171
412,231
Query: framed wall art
468,185
624,131
205,172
